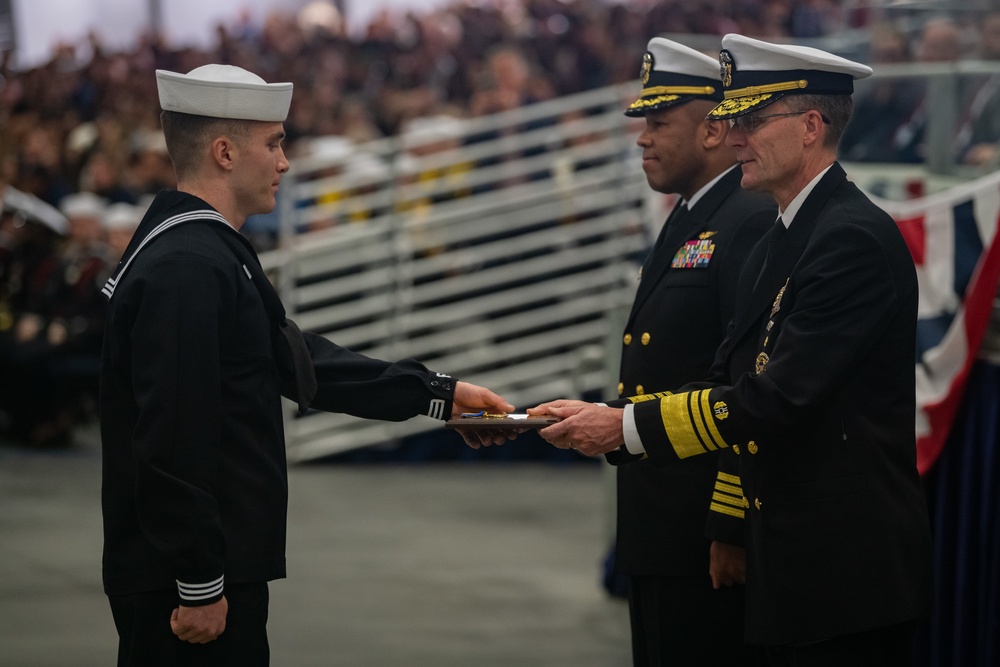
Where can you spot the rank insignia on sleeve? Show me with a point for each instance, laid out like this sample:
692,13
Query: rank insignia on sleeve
720,410
695,254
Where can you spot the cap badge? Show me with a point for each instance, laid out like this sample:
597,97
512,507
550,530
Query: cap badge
647,67
726,66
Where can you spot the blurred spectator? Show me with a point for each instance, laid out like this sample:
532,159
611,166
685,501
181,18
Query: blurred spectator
940,41
882,108
506,82
55,356
120,222
150,169
979,130
431,173
103,174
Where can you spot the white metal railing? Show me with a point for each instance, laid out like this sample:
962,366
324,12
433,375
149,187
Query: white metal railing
505,257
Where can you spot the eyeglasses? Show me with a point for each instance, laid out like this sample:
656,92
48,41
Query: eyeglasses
752,122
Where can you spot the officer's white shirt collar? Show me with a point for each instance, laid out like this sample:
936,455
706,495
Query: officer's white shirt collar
793,207
705,188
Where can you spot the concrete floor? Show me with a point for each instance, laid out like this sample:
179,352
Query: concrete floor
473,564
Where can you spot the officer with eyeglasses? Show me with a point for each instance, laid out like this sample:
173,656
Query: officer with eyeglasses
813,386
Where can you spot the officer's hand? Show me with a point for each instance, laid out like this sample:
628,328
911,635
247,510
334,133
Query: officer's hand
727,564
589,428
200,625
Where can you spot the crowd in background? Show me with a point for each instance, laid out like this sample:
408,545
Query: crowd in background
87,122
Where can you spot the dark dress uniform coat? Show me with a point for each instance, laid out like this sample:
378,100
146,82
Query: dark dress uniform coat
678,319
193,369
815,385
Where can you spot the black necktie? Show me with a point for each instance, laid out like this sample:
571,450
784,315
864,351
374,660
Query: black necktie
777,233
675,216
673,221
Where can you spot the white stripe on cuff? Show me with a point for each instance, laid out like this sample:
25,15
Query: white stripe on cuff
195,592
436,410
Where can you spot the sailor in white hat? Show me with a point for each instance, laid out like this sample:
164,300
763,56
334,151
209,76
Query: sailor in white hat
120,222
84,212
197,355
814,385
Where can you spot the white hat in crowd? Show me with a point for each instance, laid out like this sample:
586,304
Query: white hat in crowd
121,215
673,74
223,91
83,205
431,130
757,74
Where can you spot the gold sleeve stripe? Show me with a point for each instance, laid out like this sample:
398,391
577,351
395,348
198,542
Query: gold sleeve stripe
698,421
725,509
709,422
732,479
689,423
648,397
679,427
728,500
729,488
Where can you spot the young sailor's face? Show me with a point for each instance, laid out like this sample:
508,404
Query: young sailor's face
261,163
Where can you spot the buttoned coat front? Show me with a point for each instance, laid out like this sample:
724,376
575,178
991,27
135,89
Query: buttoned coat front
678,319
815,386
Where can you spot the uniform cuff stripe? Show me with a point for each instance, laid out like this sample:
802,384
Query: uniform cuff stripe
725,509
709,422
688,422
732,479
698,421
729,488
200,591
649,397
679,426
728,500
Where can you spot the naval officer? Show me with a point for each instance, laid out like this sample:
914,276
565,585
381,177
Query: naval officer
680,612
814,383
